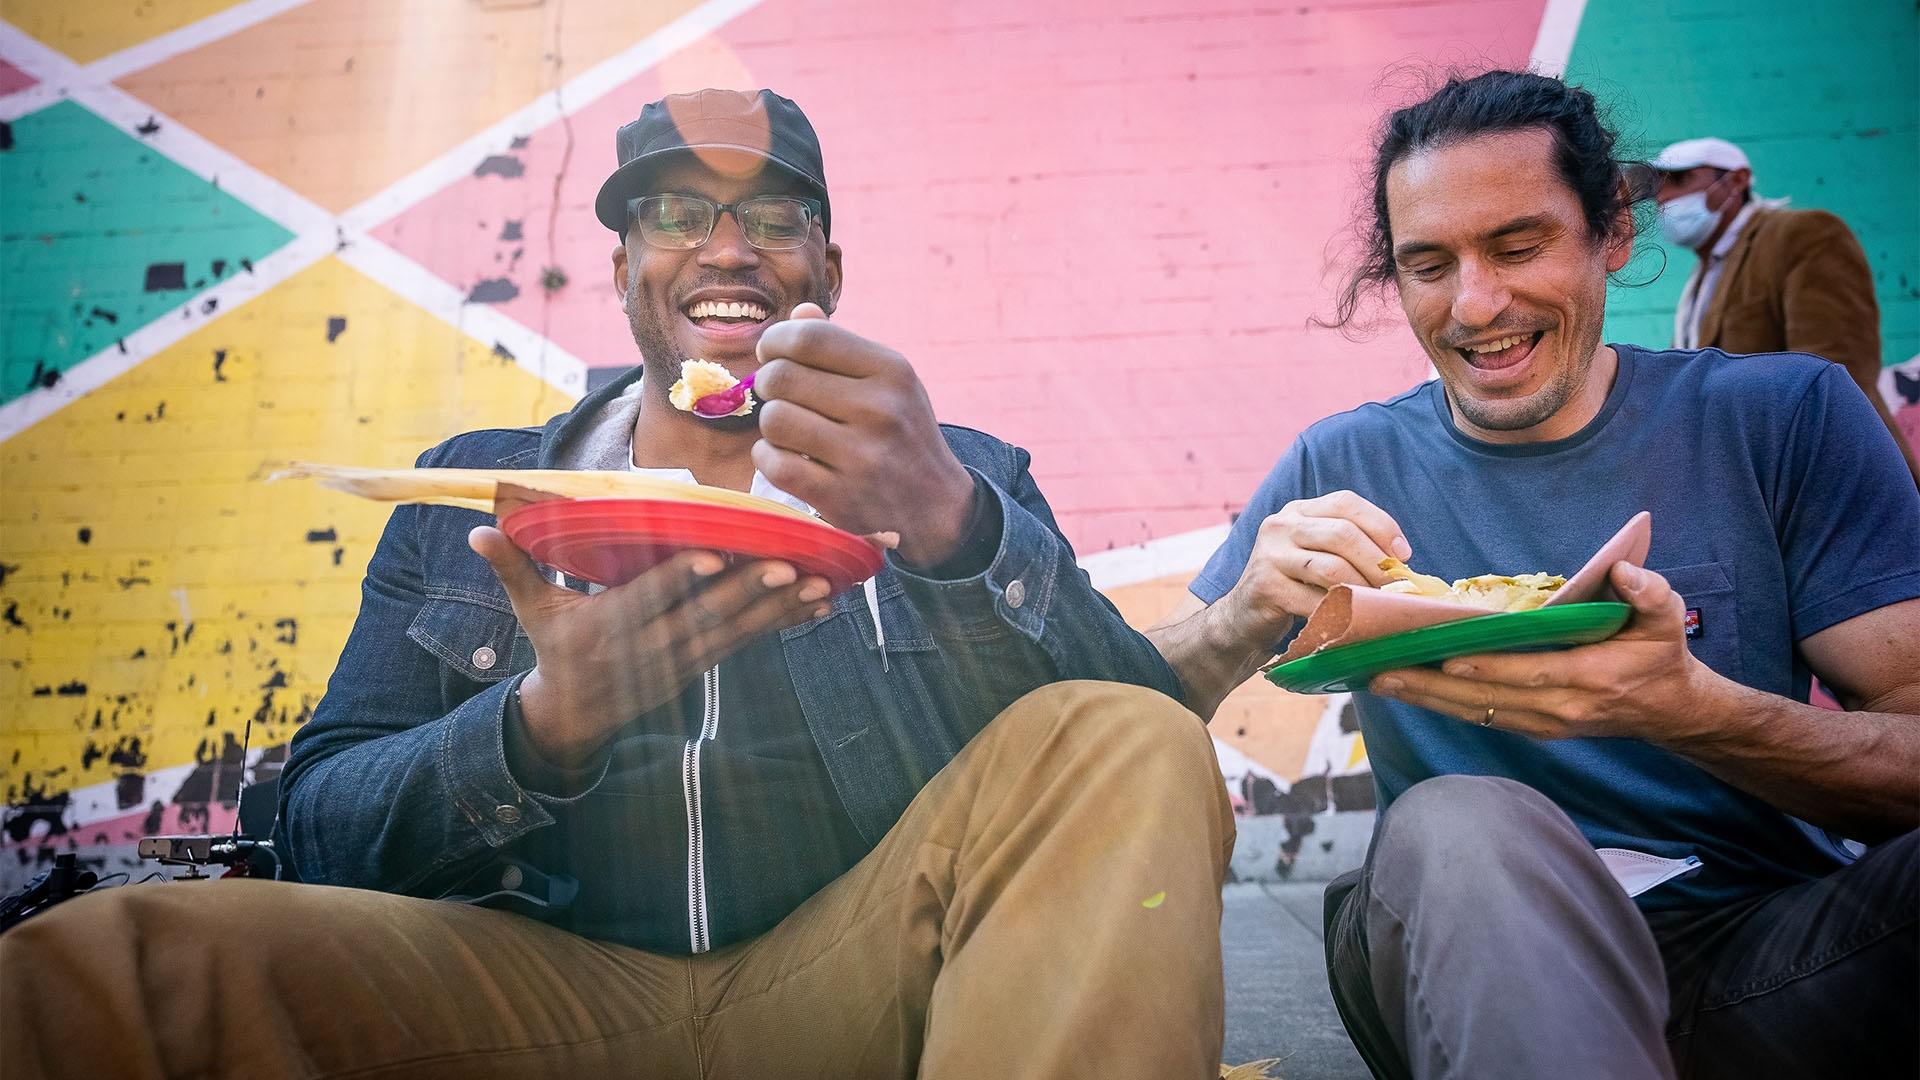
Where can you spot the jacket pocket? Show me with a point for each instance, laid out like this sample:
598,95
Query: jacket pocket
1713,615
904,629
477,640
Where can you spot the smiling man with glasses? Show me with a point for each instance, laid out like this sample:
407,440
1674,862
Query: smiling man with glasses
723,824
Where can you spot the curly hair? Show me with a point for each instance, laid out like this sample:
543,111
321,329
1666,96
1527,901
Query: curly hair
1487,104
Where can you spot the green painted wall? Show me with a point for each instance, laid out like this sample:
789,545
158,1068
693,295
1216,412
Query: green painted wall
87,209
1824,97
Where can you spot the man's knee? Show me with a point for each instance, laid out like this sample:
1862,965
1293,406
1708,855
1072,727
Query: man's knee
201,915
96,923
113,959
1111,720
1447,813
210,923
1454,838
1146,753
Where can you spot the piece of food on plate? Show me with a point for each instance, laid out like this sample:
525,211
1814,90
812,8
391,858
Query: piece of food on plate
1494,592
699,378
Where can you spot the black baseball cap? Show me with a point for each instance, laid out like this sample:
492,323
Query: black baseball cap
732,131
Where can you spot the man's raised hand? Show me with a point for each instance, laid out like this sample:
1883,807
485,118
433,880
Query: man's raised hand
846,425
1306,548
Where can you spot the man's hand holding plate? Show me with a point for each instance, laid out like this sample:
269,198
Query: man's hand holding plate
1641,683
607,658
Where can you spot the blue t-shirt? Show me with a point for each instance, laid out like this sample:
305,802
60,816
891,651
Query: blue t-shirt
1780,507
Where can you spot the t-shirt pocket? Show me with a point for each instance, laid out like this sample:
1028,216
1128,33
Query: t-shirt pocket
1712,615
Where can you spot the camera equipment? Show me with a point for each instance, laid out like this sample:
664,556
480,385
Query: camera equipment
64,880
246,856
240,852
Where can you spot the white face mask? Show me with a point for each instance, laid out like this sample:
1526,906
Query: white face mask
1686,221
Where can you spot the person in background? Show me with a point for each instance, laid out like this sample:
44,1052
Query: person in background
1769,279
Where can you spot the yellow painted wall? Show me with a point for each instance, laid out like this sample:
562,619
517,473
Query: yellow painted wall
169,613
87,30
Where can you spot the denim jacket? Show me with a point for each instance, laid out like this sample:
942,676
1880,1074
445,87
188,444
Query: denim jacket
400,781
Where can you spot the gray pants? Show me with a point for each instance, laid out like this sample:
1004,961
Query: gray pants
1515,954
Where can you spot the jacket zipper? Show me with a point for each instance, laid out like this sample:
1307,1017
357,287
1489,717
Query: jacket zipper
696,837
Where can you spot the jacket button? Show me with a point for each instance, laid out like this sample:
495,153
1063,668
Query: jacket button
511,877
506,814
483,658
1016,593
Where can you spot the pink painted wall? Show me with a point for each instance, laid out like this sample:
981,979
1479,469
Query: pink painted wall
12,78
1098,234
1098,227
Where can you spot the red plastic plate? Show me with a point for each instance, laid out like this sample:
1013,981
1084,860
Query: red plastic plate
610,541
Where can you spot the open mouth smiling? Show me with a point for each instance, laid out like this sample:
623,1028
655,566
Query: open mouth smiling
1500,353
726,319
725,312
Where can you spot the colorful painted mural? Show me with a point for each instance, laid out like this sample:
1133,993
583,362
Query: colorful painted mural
1821,97
239,233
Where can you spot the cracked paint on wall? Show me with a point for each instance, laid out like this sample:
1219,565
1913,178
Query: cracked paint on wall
157,598
163,595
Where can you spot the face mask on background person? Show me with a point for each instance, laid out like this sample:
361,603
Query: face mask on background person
1686,221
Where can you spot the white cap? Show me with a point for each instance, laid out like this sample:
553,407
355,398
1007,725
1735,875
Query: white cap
1693,153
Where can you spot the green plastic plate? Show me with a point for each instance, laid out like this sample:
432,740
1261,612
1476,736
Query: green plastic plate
1350,666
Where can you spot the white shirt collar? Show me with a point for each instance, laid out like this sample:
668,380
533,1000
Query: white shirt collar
761,485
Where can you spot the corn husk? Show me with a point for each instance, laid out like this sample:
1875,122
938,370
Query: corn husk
475,489
1408,580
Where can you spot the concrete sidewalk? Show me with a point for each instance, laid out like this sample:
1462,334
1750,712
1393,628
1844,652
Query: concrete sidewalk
1278,1005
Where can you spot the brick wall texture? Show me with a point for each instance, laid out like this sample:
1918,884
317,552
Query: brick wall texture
238,234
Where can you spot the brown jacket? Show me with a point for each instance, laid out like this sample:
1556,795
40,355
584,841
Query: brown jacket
1798,281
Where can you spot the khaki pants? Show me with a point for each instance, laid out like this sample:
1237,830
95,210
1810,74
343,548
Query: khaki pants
1010,925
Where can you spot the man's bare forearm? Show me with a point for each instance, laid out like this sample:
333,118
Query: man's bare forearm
1211,658
1855,773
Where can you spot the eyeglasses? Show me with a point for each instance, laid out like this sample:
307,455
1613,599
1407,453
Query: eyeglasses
685,222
